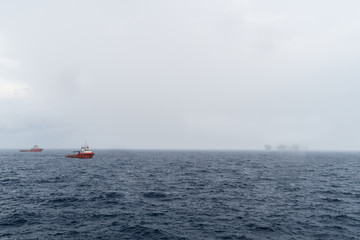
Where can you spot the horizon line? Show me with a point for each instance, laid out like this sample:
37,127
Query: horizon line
198,149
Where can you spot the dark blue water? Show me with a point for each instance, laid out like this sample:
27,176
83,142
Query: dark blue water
180,195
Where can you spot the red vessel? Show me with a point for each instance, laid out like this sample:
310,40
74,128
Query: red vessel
36,148
84,152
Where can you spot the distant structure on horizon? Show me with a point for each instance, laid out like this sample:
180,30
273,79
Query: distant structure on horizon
282,147
268,147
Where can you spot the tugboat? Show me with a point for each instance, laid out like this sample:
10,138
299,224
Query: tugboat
84,152
36,148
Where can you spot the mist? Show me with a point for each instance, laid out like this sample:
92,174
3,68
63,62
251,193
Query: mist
179,74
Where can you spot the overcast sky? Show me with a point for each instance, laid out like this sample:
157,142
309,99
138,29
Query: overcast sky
180,74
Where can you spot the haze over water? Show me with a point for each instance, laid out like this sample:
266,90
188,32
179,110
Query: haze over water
179,75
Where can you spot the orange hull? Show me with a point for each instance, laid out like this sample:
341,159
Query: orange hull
81,155
32,150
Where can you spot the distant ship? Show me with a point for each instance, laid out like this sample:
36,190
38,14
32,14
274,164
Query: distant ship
84,152
36,148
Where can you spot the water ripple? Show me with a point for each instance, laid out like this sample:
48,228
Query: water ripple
180,195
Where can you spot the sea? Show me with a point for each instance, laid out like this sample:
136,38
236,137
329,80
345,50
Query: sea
133,194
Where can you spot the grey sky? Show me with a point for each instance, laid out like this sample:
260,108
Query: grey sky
180,74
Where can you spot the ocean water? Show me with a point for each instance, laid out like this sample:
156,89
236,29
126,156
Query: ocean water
180,195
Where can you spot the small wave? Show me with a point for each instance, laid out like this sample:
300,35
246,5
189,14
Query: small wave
342,217
154,195
64,199
332,200
357,195
18,219
109,197
155,214
113,195
328,192
142,232
51,180
9,181
267,229
13,222
235,237
104,216
289,188
259,228
67,235
5,235
83,184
